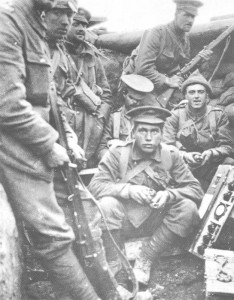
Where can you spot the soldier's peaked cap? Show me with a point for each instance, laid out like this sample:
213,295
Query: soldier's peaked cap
196,78
83,16
149,115
138,83
67,4
190,6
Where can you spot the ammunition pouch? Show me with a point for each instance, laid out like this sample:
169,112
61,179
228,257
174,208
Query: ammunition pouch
86,98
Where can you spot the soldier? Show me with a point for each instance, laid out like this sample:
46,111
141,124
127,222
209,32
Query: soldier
29,150
200,131
58,21
136,92
134,190
164,49
92,102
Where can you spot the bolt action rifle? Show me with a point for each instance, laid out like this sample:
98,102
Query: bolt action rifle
90,252
165,96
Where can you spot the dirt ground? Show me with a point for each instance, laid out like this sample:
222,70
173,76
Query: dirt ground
182,277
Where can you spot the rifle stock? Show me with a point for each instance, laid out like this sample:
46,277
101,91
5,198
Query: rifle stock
165,96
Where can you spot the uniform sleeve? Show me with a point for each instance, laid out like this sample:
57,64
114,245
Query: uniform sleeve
103,83
105,182
170,129
149,50
17,117
186,186
224,143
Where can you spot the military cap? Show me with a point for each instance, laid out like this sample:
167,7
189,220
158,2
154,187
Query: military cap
196,78
138,83
83,16
70,4
190,6
149,114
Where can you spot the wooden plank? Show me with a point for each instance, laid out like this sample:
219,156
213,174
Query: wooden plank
219,264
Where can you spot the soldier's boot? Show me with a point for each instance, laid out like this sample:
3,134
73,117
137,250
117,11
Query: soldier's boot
65,271
161,240
114,261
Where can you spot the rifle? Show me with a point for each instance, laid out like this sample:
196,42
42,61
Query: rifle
165,96
91,253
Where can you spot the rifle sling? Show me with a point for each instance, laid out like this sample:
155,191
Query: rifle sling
71,185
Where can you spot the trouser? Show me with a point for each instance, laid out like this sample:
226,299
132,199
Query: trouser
180,218
34,201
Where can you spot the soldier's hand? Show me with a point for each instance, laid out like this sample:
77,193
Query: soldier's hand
193,158
175,81
140,193
56,157
206,156
160,199
77,152
205,54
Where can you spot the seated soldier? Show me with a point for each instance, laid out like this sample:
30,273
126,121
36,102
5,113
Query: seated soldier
133,186
136,89
200,131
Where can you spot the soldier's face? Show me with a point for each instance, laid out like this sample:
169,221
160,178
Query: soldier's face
133,98
147,138
77,32
184,20
58,22
45,4
197,96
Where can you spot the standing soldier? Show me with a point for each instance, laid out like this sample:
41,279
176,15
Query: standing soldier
136,92
58,21
29,149
164,49
92,101
133,186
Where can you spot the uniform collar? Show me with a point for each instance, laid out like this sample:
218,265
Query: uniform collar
180,34
136,155
196,115
86,48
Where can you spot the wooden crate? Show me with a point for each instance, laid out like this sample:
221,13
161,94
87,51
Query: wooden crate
219,272
215,208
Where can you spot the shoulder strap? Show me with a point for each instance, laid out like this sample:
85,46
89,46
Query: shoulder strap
55,61
116,124
163,41
124,158
212,122
134,172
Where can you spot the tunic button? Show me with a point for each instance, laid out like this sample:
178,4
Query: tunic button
42,60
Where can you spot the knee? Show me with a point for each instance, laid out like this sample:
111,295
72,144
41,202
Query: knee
189,208
110,206
228,161
113,211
